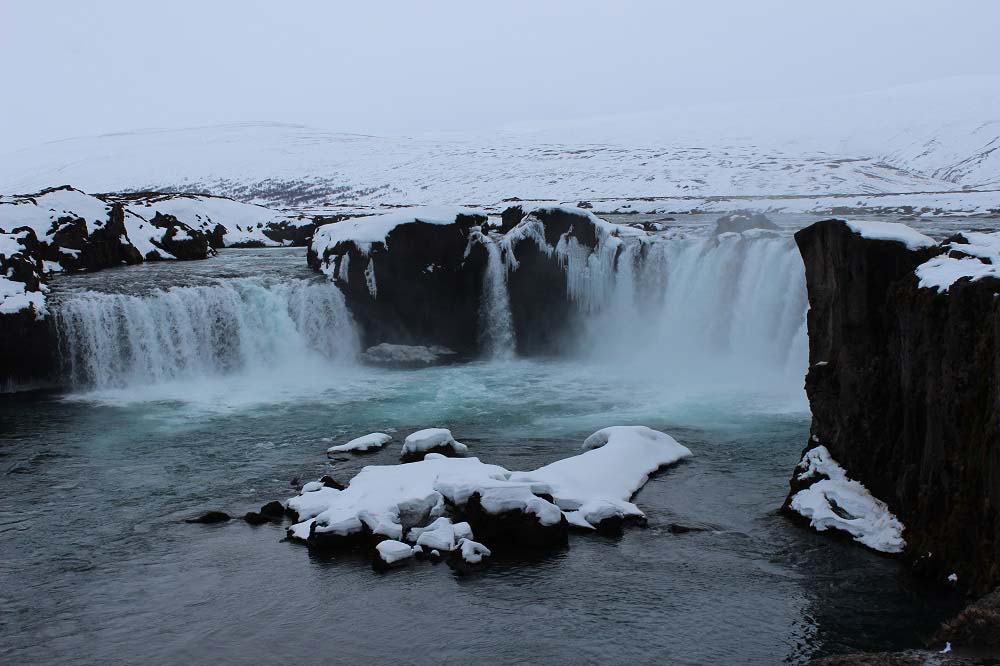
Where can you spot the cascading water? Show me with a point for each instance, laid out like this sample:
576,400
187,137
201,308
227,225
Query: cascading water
684,303
496,322
114,340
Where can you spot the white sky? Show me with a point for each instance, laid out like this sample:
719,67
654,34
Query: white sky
76,68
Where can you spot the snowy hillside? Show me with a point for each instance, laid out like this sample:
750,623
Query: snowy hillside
933,138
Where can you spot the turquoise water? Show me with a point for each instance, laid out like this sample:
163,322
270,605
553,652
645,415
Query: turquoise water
97,565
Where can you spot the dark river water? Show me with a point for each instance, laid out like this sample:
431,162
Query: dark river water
98,567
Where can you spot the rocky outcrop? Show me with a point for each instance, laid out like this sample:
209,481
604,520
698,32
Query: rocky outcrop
743,220
25,336
409,278
903,386
179,239
541,249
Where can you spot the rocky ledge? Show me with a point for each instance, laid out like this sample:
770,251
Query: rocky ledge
903,384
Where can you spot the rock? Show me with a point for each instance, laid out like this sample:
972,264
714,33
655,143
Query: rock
510,217
513,530
181,240
420,282
543,314
272,512
408,356
904,392
743,220
330,482
391,554
978,626
435,441
211,517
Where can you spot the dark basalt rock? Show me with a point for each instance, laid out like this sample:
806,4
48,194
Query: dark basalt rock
743,220
78,249
543,315
26,340
211,517
513,530
510,217
181,240
428,287
331,482
272,512
904,393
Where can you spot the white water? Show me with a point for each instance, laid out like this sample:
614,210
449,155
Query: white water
733,305
496,323
701,312
244,324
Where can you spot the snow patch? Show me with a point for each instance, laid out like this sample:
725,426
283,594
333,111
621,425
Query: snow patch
841,503
375,440
891,231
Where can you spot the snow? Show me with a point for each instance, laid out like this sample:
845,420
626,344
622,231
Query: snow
412,499
599,483
431,438
10,244
41,212
891,231
364,232
953,578
869,520
392,551
14,297
936,136
312,487
244,223
982,260
473,552
383,497
368,442
439,535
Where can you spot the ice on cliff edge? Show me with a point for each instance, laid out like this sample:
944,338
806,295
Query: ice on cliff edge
835,501
400,501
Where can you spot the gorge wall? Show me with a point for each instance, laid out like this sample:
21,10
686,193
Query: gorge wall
903,384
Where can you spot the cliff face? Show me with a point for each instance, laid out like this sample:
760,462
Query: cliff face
903,386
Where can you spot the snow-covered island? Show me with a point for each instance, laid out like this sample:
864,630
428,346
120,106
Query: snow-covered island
467,509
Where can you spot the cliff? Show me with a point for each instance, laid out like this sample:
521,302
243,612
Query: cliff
902,382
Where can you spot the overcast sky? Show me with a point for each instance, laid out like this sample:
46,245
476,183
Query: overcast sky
76,68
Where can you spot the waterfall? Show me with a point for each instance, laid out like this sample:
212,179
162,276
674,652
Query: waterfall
115,340
496,324
735,301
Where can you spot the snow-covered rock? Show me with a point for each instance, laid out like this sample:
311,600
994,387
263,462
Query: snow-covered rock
411,278
971,255
225,222
473,552
595,487
441,504
375,440
891,231
833,501
743,220
392,553
431,440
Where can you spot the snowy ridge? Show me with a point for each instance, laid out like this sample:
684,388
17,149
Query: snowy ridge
244,224
936,137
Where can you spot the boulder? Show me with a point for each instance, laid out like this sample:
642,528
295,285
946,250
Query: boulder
743,220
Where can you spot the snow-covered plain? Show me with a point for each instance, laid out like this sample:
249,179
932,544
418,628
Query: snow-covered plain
938,138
